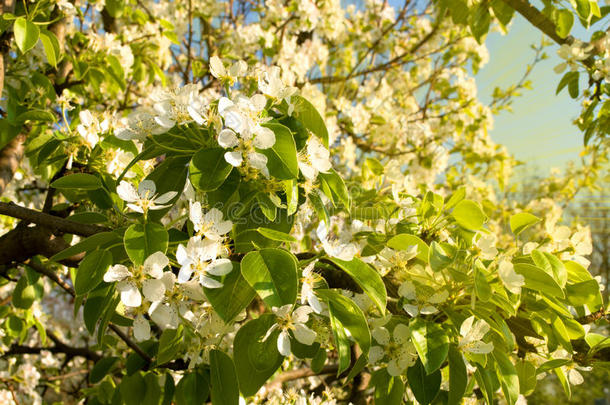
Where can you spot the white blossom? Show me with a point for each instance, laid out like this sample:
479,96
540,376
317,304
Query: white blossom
200,256
144,198
472,334
210,224
396,348
289,320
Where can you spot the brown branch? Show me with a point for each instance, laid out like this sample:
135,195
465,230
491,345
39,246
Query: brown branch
54,223
300,373
538,20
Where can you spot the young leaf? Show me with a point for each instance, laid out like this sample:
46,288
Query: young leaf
79,181
538,280
255,360
388,390
367,278
223,379
209,169
273,275
468,214
425,386
311,119
282,156
142,240
91,271
431,343
193,389
51,47
458,376
521,221
233,297
349,315
26,34
404,241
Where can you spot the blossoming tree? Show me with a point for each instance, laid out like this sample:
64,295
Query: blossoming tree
285,202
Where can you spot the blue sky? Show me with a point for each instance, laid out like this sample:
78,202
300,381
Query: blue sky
539,131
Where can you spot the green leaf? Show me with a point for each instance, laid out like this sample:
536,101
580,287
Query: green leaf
563,22
91,243
273,275
349,315
169,176
169,345
479,21
585,293
91,271
431,343
223,379
79,181
193,389
101,369
388,390
209,169
526,372
98,302
255,360
538,280
425,386
521,221
404,241
458,376
142,240
133,389
567,78
26,34
367,278
552,265
437,257
482,287
24,294
38,115
507,374
319,207
235,295
275,235
282,156
573,86
311,119
503,12
468,214
583,8
51,47
334,187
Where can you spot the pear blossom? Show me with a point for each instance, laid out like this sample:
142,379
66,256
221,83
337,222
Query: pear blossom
244,151
140,124
308,296
129,282
271,84
210,224
141,328
512,281
200,256
472,334
339,247
289,320
314,159
144,198
180,106
396,348
423,305
219,71
573,53
486,243
90,128
245,116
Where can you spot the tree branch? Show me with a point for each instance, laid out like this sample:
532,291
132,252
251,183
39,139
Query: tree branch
54,223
